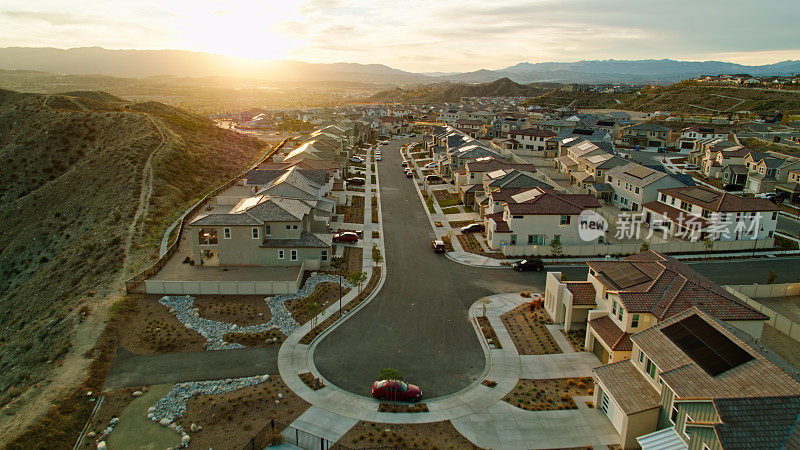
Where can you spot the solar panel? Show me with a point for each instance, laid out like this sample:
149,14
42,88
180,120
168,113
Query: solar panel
705,345
701,194
638,171
626,275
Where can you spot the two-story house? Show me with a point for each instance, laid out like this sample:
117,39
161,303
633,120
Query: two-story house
264,231
697,213
635,293
696,382
766,170
474,128
633,185
536,217
646,135
691,134
531,141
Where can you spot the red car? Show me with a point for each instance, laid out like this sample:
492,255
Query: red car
347,236
396,390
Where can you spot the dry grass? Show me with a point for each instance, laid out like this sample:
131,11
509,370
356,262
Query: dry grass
488,332
355,212
434,435
548,395
526,326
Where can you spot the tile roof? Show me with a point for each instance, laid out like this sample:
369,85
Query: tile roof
488,164
669,287
719,201
757,422
628,387
678,216
553,203
306,240
757,377
533,132
582,293
501,226
611,334
504,193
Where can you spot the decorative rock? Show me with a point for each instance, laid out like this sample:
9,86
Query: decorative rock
114,421
280,395
193,427
165,422
151,409
101,445
91,434
173,426
137,393
235,327
145,388
185,439
150,416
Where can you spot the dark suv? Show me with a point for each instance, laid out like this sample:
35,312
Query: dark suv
528,264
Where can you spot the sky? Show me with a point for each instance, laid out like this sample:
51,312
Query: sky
418,35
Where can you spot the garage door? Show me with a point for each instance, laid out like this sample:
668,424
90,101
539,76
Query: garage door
600,352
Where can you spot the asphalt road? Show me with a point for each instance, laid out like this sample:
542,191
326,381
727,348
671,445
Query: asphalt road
789,226
418,323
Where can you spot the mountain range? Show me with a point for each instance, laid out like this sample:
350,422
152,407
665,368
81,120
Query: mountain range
146,63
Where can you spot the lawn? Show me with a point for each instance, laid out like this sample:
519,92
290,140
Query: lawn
451,210
445,198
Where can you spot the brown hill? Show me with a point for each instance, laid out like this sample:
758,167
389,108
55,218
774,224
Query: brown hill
447,92
71,173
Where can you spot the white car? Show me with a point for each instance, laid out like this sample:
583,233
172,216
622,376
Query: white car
378,157
357,159
430,165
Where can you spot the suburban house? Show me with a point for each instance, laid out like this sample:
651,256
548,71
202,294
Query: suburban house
474,128
528,141
586,163
633,185
471,183
691,134
791,186
646,135
697,213
457,158
450,116
391,125
264,231
635,293
484,116
696,382
707,149
767,170
536,217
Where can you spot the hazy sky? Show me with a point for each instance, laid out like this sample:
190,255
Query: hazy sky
417,35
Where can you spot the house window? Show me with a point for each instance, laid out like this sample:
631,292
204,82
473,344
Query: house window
513,239
641,356
774,215
650,368
293,255
208,236
324,255
674,415
637,190
294,227
531,239
288,227
556,237
686,431
281,254
226,233
516,217
635,321
255,233
620,314
267,231
564,220
614,308
686,206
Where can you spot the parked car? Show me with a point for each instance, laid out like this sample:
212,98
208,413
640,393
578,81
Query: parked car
430,165
378,157
528,264
385,143
438,246
357,159
396,390
347,236
767,195
692,167
356,181
409,173
431,178
473,228
404,163
733,187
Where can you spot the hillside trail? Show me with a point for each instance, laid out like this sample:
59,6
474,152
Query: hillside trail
36,401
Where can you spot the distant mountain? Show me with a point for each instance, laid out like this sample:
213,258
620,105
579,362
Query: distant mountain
180,63
146,63
447,92
620,71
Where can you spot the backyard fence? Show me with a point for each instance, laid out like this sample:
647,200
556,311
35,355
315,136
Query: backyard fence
267,436
630,249
777,320
153,269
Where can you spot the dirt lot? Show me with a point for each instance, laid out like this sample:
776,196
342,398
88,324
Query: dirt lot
147,327
548,395
429,435
269,337
355,212
243,310
231,420
527,329
576,338
302,309
470,244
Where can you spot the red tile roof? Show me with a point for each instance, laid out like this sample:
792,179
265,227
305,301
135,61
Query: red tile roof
611,334
555,203
582,293
532,132
488,165
503,194
669,287
501,225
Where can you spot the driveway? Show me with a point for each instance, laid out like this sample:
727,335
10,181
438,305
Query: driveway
418,322
130,369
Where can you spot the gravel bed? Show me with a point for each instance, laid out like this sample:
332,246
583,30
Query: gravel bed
213,331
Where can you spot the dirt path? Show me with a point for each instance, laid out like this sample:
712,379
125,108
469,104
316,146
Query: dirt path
35,402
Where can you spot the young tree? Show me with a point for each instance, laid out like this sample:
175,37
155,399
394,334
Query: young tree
645,247
376,254
557,248
357,279
771,277
708,244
